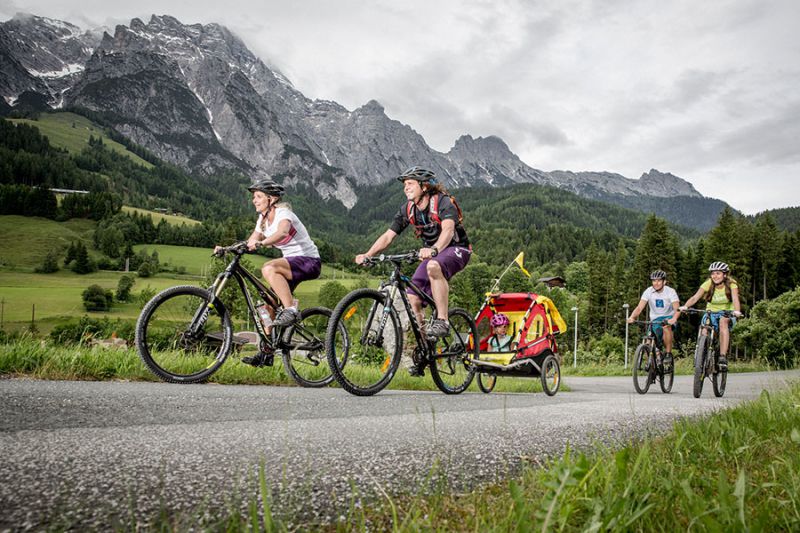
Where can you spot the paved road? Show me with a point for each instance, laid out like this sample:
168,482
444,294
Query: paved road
78,453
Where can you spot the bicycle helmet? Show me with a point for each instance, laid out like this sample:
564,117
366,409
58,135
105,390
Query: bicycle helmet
718,265
268,187
658,274
499,320
420,174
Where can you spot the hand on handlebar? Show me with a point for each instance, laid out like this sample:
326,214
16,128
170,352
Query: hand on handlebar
682,308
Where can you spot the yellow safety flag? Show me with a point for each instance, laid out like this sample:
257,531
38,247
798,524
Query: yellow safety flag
518,260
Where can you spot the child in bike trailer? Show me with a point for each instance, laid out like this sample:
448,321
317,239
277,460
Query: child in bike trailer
721,294
278,226
664,312
500,341
446,249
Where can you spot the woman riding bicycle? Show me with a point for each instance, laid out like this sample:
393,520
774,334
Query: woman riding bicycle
278,226
664,313
723,298
446,249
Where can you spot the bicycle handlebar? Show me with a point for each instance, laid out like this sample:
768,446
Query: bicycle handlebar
237,248
408,257
691,310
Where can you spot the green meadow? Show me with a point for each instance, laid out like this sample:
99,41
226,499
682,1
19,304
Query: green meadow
157,217
25,241
71,132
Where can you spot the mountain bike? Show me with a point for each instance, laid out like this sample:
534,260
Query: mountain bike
365,339
184,334
706,355
647,363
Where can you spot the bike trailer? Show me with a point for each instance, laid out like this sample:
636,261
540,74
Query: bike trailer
534,323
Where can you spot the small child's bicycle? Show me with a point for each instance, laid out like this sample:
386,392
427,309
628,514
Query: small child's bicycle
185,333
648,364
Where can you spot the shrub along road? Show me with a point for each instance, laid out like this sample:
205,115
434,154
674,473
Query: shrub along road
77,454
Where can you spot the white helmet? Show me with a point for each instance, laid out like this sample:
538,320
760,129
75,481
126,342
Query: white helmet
718,265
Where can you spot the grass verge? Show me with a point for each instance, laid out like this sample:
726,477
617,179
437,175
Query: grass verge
39,359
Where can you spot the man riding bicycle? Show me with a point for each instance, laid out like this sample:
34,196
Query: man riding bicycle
722,296
664,312
446,249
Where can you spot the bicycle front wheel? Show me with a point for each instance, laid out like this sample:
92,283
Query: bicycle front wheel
304,357
452,369
364,342
719,380
666,379
182,335
642,369
700,365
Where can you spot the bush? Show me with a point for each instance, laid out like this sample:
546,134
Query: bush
330,294
124,288
608,349
145,295
96,298
773,329
87,328
49,264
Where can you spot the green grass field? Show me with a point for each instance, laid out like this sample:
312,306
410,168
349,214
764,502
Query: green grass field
56,298
25,241
71,132
175,220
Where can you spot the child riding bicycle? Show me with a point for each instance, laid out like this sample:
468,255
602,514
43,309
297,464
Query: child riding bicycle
721,294
664,312
278,226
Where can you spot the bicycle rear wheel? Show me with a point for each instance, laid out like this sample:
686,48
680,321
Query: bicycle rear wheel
642,369
181,336
304,358
452,369
700,365
363,356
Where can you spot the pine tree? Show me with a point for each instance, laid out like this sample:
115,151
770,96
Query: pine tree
657,249
766,257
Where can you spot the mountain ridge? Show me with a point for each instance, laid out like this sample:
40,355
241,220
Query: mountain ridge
196,96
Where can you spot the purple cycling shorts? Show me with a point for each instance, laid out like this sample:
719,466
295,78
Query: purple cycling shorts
303,268
452,260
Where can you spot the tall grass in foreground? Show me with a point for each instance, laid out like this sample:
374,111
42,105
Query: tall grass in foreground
738,470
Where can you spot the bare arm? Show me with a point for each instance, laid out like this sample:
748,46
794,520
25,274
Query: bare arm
636,310
284,228
448,230
380,244
691,301
737,306
676,313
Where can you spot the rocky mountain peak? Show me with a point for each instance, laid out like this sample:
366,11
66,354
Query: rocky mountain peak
373,107
196,96
666,184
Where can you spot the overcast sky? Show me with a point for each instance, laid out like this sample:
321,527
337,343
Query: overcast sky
709,91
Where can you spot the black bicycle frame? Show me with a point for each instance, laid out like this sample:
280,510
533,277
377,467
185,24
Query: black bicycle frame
241,275
399,281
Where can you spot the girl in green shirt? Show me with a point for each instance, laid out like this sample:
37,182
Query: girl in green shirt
721,294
